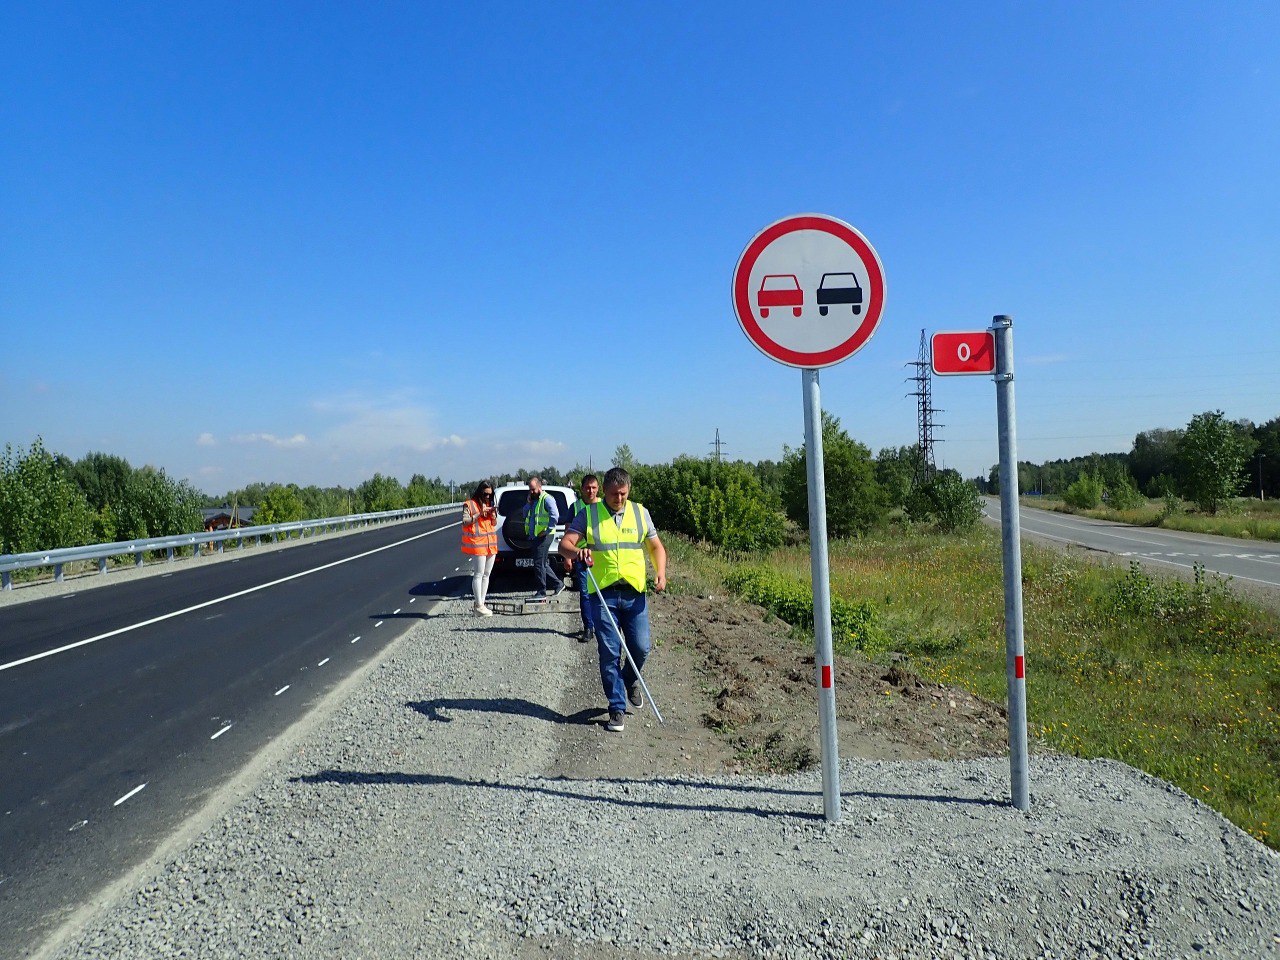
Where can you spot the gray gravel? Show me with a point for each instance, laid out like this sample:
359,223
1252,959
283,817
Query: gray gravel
415,819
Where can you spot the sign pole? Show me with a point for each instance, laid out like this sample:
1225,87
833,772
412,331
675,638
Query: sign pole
1011,540
820,569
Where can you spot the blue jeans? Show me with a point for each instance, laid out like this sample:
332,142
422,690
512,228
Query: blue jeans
631,612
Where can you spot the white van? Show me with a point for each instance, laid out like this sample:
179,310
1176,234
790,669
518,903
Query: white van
515,550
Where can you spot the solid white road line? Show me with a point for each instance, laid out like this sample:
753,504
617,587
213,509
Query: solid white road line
222,731
323,662
210,603
136,789
282,690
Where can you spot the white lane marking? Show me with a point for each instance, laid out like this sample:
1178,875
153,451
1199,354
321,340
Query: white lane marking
379,623
214,617
323,662
136,789
357,639
395,611
222,731
282,690
77,826
67,596
413,599
210,603
163,575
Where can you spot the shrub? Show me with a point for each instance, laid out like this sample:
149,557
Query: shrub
1085,493
1123,494
855,500
723,504
854,626
949,500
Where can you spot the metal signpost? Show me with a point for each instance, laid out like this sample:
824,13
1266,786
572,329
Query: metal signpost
808,292
991,352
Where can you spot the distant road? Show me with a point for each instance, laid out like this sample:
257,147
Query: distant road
1252,561
122,708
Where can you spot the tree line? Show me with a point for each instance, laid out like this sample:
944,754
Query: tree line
1210,461
49,501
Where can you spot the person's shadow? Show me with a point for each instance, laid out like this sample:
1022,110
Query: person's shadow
437,709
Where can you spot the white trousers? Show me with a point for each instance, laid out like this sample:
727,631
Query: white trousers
481,568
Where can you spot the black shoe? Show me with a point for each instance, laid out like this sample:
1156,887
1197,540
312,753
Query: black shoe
615,724
635,694
559,589
586,636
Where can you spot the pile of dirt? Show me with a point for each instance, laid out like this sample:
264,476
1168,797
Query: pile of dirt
737,690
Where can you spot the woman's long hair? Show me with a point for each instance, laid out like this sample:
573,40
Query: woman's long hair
479,491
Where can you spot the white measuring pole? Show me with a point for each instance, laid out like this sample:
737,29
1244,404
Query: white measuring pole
1011,541
824,667
625,646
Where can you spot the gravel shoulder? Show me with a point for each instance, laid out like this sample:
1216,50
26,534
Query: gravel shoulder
462,799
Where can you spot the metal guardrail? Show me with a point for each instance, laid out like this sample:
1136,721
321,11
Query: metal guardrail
139,549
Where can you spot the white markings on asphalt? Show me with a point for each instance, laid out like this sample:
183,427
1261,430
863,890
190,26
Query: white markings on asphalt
379,623
66,596
136,789
222,731
413,599
323,662
356,640
214,617
282,690
76,826
209,603
163,575
395,611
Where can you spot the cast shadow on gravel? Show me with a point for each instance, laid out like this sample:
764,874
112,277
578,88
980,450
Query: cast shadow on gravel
844,791
446,588
431,709
355,778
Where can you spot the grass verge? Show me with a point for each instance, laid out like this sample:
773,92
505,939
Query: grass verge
1180,680
1248,519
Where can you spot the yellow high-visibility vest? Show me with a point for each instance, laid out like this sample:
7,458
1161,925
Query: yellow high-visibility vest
617,551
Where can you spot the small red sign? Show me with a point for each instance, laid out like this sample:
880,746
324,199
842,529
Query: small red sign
964,354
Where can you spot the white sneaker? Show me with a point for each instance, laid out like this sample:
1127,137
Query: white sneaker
483,611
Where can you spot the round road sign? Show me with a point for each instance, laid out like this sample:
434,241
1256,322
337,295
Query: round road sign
808,290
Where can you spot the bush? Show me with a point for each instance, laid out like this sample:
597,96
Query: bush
723,504
40,507
855,500
1123,494
853,625
1085,493
949,500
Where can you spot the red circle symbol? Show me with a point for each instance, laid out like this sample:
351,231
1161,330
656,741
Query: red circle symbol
848,309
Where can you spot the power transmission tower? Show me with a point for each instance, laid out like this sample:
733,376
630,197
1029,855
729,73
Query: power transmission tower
718,444
925,464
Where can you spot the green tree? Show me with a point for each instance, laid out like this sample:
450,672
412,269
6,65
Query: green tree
103,477
1213,453
855,500
949,500
624,458
1267,437
380,493
1085,493
41,508
279,504
896,472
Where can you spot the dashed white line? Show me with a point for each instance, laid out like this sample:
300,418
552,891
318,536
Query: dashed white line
323,662
356,640
395,611
67,596
379,623
282,690
136,789
413,599
76,826
222,731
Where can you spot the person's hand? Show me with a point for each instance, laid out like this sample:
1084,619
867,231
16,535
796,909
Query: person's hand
660,582
584,555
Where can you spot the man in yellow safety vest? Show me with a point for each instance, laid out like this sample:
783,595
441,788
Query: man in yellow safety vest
612,538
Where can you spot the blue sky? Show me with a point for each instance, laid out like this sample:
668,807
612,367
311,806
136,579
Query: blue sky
301,242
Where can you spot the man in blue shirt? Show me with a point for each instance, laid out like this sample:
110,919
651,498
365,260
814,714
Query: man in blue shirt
541,514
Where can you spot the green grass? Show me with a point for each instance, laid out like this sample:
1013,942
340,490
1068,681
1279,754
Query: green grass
1247,519
1181,680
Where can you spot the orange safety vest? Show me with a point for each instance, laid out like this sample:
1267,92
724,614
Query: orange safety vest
480,537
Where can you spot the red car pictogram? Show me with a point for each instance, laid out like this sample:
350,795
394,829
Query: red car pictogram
780,290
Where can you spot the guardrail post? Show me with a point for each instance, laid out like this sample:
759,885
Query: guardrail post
6,581
57,572
169,553
220,546
102,564
138,558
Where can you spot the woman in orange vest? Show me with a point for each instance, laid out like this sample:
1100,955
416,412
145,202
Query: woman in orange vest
480,542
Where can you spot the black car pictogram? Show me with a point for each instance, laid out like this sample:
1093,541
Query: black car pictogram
839,288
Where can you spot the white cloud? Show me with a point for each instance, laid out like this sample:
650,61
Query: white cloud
378,425
532,448
270,439
206,440
211,471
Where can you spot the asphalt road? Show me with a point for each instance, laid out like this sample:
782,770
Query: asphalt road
1251,561
107,746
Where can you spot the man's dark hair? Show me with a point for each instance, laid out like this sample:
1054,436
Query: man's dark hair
588,478
617,477
480,488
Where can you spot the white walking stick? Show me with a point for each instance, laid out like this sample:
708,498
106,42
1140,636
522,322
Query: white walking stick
609,613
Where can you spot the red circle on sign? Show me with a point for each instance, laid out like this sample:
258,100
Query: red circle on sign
875,290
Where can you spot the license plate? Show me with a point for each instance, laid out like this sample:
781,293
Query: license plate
524,561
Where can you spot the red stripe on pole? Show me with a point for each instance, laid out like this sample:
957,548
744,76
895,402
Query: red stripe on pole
826,676
1019,670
